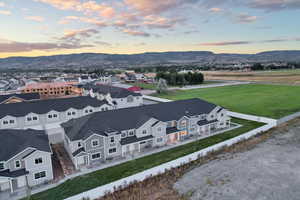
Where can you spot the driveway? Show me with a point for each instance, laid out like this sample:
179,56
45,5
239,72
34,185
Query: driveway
270,171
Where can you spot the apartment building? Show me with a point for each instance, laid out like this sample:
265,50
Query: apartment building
49,114
25,159
103,136
121,97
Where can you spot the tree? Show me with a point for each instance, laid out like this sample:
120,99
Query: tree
257,66
162,86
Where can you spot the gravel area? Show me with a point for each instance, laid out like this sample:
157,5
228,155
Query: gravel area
270,171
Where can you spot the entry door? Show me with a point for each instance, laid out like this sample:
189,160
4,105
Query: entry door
80,160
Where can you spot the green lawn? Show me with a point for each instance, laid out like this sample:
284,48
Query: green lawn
273,101
148,86
101,177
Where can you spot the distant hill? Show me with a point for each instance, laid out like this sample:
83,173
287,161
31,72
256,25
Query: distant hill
143,59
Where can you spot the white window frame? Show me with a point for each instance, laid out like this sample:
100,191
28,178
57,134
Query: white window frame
3,164
112,152
37,159
123,135
96,140
40,175
97,157
144,132
20,164
130,133
112,138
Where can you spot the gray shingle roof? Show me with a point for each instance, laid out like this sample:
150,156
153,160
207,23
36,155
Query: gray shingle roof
14,141
115,92
44,106
134,139
128,118
25,96
17,173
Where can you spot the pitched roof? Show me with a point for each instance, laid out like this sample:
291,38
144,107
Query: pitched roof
13,174
14,141
25,96
44,106
115,92
134,139
128,118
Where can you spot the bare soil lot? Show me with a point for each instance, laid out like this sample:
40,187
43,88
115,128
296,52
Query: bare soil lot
271,170
283,77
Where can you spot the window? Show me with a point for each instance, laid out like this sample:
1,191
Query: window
95,143
55,116
144,142
40,175
123,135
79,144
18,164
113,150
91,110
106,108
69,113
38,161
144,132
131,133
29,119
183,123
102,109
11,121
2,166
159,129
96,156
112,139
5,122
129,99
159,139
50,116
86,111
34,118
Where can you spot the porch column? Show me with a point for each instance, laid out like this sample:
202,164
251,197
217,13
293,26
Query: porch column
139,147
76,163
11,186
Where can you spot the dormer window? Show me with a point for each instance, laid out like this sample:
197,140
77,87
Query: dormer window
18,164
131,133
95,143
38,161
2,167
123,135
144,132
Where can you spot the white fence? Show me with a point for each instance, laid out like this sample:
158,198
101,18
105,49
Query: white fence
102,190
157,99
253,117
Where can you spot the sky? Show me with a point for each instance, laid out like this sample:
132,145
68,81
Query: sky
50,27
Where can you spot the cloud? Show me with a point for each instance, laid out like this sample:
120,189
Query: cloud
2,4
245,18
135,33
227,43
215,10
86,7
154,21
191,32
275,5
88,20
5,12
35,18
68,34
102,43
153,7
13,46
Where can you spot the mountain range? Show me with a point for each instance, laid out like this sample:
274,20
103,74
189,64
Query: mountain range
101,60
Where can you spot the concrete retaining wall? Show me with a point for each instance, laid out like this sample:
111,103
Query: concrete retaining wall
253,118
288,118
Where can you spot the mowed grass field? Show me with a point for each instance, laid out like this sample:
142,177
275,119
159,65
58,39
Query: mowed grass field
107,175
273,101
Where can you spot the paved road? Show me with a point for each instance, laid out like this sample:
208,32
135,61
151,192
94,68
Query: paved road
270,171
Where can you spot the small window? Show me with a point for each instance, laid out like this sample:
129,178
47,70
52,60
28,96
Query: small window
86,111
29,119
69,113
113,150
159,129
11,121
106,108
2,166
112,139
144,132
79,144
159,139
123,135
54,115
50,116
40,175
5,122
34,118
96,156
91,110
131,133
73,113
102,109
18,164
144,142
38,161
95,143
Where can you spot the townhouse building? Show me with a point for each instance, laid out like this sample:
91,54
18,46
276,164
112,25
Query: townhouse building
92,139
25,159
121,97
18,97
49,114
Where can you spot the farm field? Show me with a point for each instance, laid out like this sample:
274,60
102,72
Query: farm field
107,175
280,76
273,101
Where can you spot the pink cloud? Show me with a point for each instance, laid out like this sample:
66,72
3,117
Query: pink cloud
154,21
135,33
35,18
245,18
215,10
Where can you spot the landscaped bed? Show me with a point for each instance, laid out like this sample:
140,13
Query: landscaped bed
107,175
273,101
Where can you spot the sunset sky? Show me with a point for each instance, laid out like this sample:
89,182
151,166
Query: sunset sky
48,27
